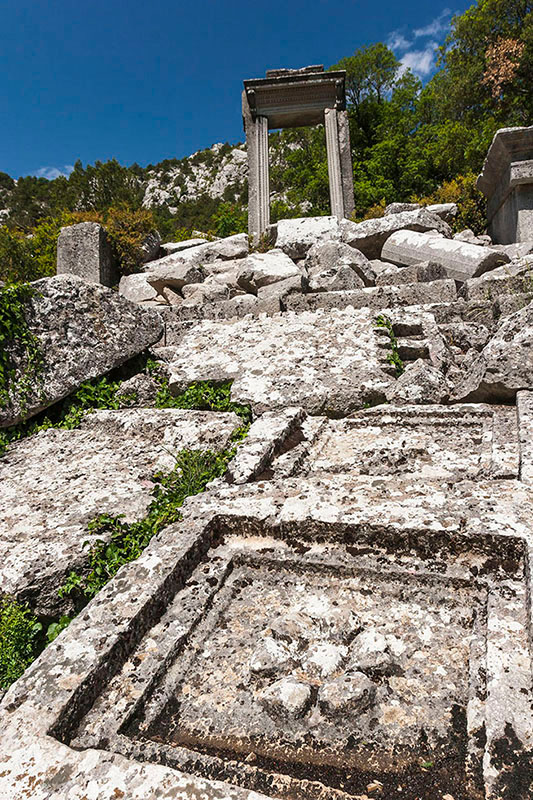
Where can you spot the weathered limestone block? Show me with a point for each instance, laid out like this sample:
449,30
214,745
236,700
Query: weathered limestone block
513,278
425,272
507,182
176,247
376,297
370,236
266,435
399,208
524,407
54,483
296,236
469,236
421,588
421,383
84,250
151,247
175,275
460,259
466,442
505,365
200,293
334,279
83,330
136,288
315,360
446,211
227,249
262,269
331,254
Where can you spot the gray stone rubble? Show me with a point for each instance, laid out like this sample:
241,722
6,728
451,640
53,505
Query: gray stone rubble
346,613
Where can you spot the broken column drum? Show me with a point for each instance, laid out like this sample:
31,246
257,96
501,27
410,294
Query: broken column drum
288,99
507,182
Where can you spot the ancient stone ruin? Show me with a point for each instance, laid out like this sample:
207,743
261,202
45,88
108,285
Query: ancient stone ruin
345,612
289,98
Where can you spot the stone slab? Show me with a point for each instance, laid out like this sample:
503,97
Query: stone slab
371,235
451,563
83,331
430,442
376,297
53,484
505,365
324,362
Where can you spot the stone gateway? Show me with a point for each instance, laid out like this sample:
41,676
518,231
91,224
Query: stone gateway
289,98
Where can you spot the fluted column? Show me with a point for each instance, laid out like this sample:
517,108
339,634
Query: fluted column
258,173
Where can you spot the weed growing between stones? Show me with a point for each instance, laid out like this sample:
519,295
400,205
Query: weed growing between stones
15,334
202,395
126,541
91,395
19,640
383,323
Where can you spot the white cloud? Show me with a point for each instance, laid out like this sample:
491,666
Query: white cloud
397,41
435,28
421,62
54,172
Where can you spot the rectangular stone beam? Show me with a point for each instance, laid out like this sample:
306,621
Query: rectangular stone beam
258,172
339,162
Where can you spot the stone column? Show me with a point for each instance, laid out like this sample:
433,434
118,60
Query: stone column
258,173
345,152
334,163
85,250
339,162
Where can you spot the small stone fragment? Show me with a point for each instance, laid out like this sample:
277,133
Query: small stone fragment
287,697
349,692
270,657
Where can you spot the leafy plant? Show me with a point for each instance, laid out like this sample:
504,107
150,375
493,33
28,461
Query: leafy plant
19,632
125,541
201,395
55,628
383,323
128,230
16,337
98,393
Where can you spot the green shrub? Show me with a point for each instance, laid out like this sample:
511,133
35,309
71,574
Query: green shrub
15,335
471,204
19,632
126,540
229,219
128,230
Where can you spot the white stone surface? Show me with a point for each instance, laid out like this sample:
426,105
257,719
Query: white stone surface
460,259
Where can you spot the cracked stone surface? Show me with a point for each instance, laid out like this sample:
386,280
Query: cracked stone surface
83,330
322,362
54,483
346,613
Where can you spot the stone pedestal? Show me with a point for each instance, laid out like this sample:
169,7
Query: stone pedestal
293,98
507,183
84,250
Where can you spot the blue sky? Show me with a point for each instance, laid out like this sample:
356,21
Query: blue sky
144,81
